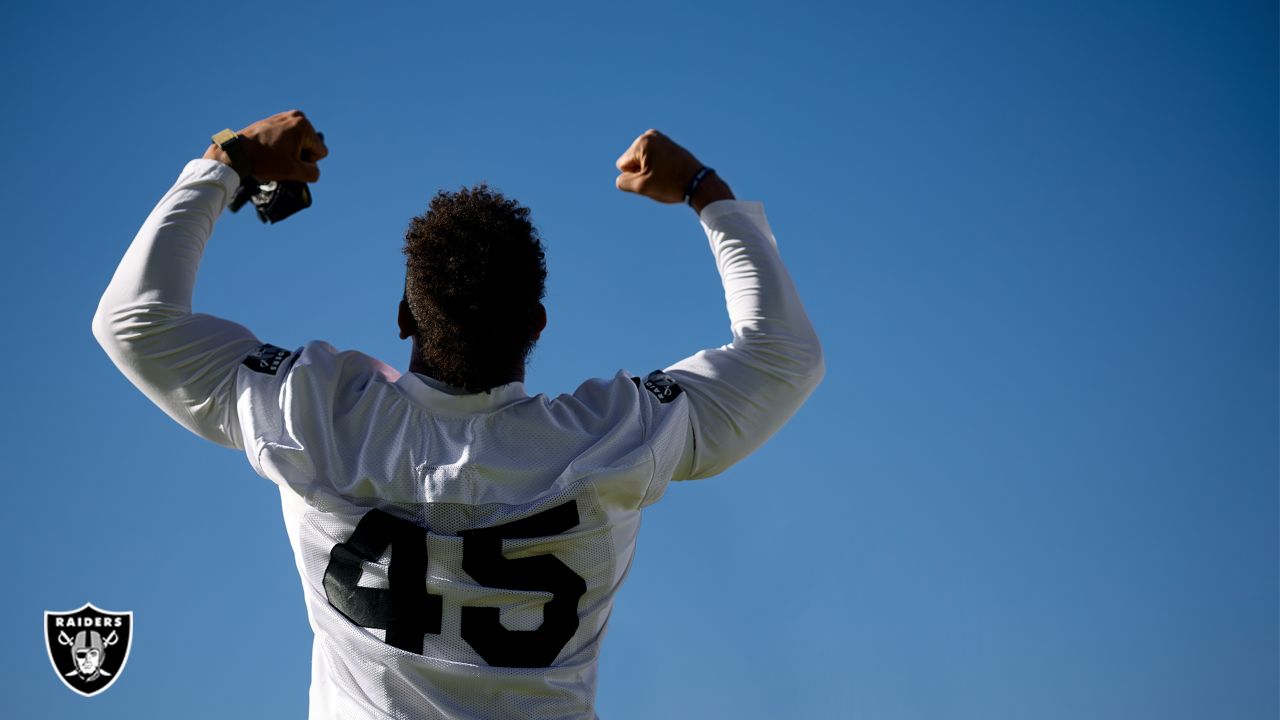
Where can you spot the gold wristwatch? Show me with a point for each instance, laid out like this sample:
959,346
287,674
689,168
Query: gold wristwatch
234,148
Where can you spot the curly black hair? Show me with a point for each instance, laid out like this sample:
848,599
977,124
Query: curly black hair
476,272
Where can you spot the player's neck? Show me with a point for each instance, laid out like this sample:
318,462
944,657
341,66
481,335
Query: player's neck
422,367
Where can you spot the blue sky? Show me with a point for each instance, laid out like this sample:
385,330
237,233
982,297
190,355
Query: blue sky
1038,241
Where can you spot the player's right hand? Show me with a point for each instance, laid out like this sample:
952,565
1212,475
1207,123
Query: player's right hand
656,167
284,146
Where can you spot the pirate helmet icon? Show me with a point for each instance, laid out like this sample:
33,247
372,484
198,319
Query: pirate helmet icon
88,651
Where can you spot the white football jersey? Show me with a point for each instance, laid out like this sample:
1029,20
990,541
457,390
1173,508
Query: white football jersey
459,554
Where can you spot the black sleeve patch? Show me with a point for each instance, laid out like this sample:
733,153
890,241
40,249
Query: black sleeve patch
662,385
266,359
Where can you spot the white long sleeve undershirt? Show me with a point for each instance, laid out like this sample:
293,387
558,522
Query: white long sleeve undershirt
186,363
741,393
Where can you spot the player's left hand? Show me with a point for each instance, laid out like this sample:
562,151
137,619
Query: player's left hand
657,167
284,146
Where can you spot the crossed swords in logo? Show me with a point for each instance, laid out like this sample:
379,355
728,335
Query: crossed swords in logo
108,641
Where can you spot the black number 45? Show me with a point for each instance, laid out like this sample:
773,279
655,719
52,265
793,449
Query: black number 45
408,612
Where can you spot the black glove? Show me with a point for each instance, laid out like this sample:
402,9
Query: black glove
274,200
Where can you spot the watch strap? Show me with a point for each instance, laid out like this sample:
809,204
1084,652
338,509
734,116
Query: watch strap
230,143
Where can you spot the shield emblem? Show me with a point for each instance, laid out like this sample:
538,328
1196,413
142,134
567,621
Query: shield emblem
88,647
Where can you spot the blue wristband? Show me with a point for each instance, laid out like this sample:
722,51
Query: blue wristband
693,184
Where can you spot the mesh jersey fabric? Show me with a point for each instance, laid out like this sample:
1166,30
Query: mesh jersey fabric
342,434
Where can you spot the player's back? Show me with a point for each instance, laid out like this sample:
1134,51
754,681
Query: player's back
459,554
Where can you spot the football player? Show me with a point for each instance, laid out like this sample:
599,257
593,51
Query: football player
459,542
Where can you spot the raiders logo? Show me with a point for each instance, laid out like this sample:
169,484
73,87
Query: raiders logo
266,359
662,385
88,647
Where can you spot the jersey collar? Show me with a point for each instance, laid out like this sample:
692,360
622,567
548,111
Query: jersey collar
427,391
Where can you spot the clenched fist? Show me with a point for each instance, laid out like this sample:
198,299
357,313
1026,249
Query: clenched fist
656,167
282,147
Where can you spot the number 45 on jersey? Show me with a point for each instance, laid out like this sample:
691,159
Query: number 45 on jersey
408,611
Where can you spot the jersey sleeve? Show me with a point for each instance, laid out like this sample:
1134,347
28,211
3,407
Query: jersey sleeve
664,417
286,405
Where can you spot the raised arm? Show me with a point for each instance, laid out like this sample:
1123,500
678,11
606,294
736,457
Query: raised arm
186,362
740,393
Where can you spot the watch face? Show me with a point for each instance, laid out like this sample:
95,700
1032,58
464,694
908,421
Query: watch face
224,137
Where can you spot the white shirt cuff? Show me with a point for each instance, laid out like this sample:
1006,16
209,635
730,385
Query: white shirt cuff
204,169
718,209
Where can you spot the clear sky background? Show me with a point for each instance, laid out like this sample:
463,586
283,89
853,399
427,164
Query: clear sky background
1038,241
